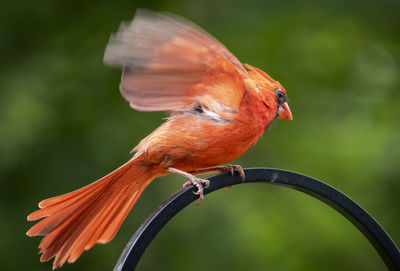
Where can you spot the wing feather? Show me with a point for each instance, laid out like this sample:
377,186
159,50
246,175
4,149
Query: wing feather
170,64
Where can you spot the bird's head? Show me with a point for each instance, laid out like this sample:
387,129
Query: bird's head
273,94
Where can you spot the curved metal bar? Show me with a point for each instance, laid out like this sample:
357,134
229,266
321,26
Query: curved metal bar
360,218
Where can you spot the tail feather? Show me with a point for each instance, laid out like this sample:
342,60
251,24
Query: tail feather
88,188
55,204
99,224
76,221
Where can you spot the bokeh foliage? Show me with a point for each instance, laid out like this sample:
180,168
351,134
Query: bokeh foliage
64,124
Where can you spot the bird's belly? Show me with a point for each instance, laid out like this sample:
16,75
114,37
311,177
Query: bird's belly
210,149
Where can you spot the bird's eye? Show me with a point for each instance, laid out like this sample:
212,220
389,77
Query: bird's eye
280,96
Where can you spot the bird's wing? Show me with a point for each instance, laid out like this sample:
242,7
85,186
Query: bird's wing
171,64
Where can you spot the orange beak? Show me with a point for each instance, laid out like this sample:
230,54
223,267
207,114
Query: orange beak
284,112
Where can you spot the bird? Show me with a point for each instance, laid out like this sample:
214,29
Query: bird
217,106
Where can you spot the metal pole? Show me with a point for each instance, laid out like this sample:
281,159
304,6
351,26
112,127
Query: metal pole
360,218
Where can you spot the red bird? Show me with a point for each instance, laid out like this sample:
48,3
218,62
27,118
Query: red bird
218,109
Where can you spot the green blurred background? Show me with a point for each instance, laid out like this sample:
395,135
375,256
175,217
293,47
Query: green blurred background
64,124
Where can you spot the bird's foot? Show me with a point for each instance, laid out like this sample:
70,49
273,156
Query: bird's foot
193,180
198,182
232,169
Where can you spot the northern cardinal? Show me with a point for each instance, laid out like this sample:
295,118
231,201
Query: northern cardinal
218,109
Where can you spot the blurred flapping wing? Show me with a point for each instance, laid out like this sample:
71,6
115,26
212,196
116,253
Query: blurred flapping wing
170,64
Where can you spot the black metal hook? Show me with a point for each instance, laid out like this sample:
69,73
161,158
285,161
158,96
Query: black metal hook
360,218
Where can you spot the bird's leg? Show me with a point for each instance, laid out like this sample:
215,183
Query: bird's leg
193,180
228,168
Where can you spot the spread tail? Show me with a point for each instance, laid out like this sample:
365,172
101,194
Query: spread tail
75,221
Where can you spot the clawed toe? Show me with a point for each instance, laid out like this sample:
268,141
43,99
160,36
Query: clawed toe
238,168
198,183
193,180
200,194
